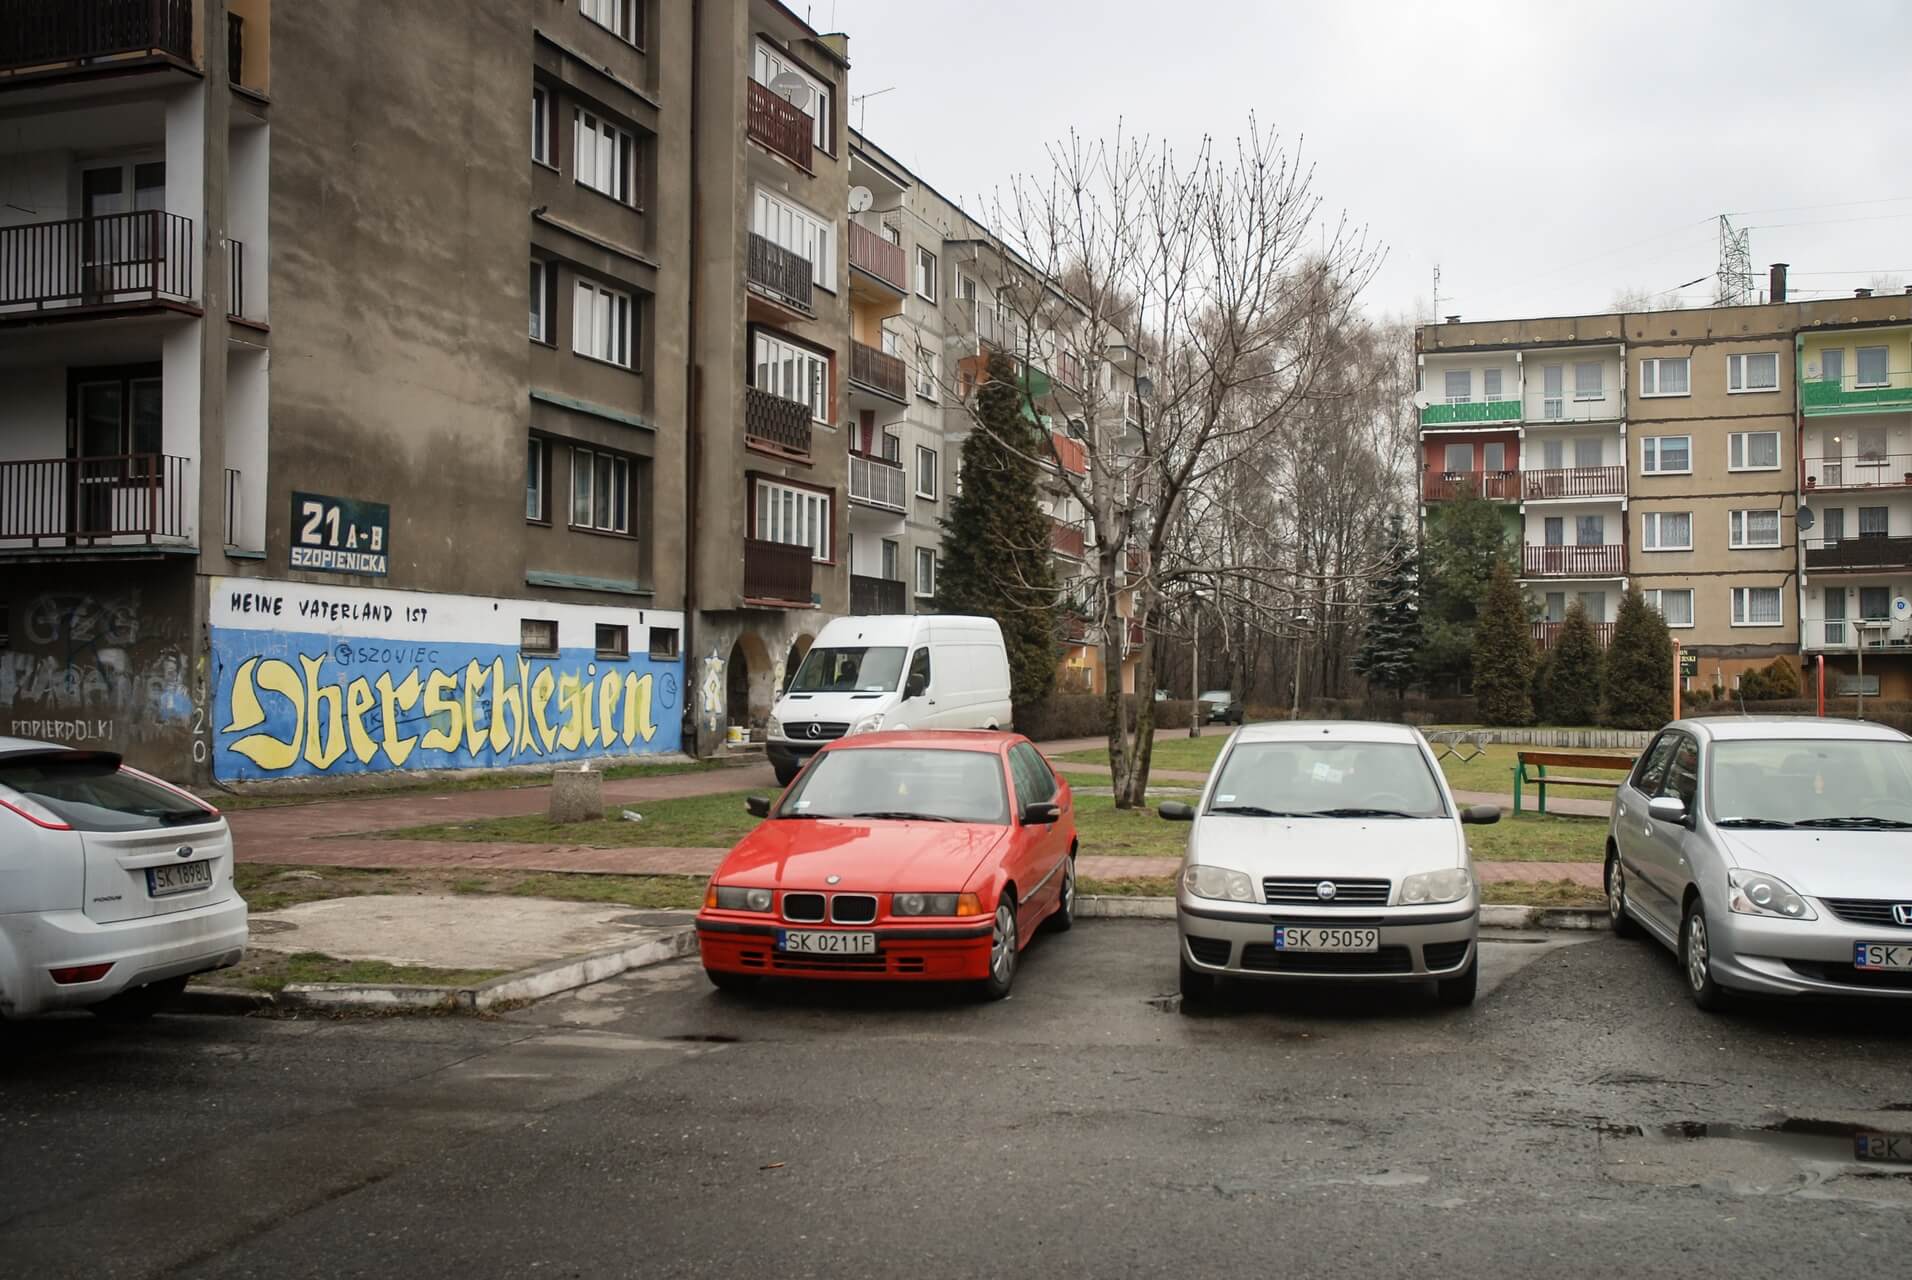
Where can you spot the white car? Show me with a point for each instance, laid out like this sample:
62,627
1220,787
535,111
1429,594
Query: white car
115,887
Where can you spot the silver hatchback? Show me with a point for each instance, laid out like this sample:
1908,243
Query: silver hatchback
1772,854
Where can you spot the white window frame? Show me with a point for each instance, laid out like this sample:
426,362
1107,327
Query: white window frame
1742,611
622,18
1736,373
542,275
787,368
585,513
541,109
1650,448
1598,391
1490,380
767,62
602,319
786,223
1738,526
609,145
1656,597
1859,364
929,374
1652,527
1737,446
925,560
794,516
1467,396
926,455
1652,376
924,277
537,480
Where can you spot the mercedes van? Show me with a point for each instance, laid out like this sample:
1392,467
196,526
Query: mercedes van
906,672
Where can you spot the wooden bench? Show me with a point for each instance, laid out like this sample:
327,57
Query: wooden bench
1541,761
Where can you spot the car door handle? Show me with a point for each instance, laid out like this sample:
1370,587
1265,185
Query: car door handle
932,702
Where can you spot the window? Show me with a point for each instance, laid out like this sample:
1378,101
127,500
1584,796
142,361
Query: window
770,63
1035,784
919,673
1554,531
1589,380
1552,395
892,560
1553,454
1493,456
622,18
537,467
664,643
544,295
1651,771
600,491
925,572
1832,364
1460,457
1675,606
541,121
1669,376
601,323
1587,453
1490,384
801,232
1832,524
1460,385
613,640
1590,531
794,372
1754,529
1665,455
539,636
1873,522
1595,605
1875,603
892,446
799,517
603,160
1556,607
925,273
928,374
1752,451
1757,607
1683,775
1757,372
1667,531
925,472
1872,370
1871,444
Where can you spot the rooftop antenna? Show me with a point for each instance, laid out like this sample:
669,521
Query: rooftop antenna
1437,293
861,102
1735,283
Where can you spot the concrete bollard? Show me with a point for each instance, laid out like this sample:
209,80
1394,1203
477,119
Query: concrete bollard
577,795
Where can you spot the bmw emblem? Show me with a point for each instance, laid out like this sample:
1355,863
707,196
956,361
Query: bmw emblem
1325,891
832,879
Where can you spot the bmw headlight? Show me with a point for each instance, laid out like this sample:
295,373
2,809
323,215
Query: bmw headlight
1427,887
1754,893
1218,883
868,724
732,897
935,904
774,729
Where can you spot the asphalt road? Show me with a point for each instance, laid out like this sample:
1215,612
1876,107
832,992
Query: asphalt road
649,1126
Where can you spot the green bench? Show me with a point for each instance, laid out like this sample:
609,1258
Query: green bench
1533,768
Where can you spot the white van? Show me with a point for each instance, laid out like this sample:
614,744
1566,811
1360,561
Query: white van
908,672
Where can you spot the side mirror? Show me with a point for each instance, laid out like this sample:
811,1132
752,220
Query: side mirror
759,806
1483,815
1043,813
914,688
1176,810
1667,809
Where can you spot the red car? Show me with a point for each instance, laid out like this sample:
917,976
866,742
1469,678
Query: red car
912,855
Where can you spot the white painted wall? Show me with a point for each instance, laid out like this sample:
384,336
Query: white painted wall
1434,372
1533,448
247,214
186,169
1613,529
180,404
1539,407
246,433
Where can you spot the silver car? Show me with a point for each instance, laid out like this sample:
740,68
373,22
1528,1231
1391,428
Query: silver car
1328,851
1772,854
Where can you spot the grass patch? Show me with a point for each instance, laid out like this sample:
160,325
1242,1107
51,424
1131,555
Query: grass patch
1174,750
1101,828
1130,887
1493,771
1532,837
653,893
691,822
1541,893
274,971
269,888
230,800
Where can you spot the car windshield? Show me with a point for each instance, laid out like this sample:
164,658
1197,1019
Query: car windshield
901,782
1853,782
862,670
1324,778
91,793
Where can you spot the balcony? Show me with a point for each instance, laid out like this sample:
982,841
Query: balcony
46,34
879,371
875,482
776,425
1468,412
1445,486
1574,482
869,596
1867,551
110,260
137,499
778,125
780,275
873,254
1849,634
1545,633
777,573
1859,471
1608,560
1067,539
1072,629
1827,397
1003,332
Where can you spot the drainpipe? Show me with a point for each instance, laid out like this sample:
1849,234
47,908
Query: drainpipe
693,393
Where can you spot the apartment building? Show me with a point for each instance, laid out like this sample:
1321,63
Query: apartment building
1669,450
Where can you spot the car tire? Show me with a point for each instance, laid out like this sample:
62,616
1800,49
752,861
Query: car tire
1198,988
731,983
1696,960
1459,991
1622,924
1062,919
784,772
1003,956
140,1003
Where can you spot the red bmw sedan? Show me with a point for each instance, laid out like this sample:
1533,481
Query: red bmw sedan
927,856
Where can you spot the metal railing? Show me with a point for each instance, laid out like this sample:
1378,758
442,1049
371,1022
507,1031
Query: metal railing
36,33
1444,486
1003,332
235,278
1466,411
1545,633
1605,560
879,371
782,424
1574,482
1854,633
877,595
232,507
1867,551
1890,391
111,257
871,252
877,483
778,125
778,572
1571,408
781,274
1858,471
137,496
1067,538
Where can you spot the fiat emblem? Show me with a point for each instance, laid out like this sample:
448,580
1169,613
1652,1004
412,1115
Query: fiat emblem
832,879
1903,913
1325,891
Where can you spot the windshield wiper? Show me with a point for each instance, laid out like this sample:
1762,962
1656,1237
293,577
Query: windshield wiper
1254,811
1765,824
905,815
1362,813
1856,823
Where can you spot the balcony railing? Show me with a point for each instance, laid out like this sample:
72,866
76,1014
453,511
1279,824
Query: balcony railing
1445,486
1891,393
1072,628
1867,551
140,498
1571,408
777,572
1598,561
1545,633
1454,415
112,257
1067,539
873,253
1574,482
877,483
233,524
1855,633
776,423
879,371
1859,471
777,124
40,33
1068,369
235,278
877,595
778,273
1003,332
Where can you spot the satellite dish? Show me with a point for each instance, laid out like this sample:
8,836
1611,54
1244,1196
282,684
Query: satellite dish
792,88
860,199
1806,518
1901,608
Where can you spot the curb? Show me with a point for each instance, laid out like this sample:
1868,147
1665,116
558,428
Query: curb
1090,907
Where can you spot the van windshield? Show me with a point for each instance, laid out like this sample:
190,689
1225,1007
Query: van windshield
862,670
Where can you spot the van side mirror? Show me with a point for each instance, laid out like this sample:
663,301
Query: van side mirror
915,687
759,806
1667,809
1481,814
1041,813
1176,810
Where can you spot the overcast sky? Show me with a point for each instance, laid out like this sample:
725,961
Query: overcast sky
1545,156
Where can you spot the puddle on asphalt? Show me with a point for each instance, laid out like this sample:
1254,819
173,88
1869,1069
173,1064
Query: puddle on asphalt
1816,1140
1795,1156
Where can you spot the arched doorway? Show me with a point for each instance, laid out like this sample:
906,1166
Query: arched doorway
794,659
747,683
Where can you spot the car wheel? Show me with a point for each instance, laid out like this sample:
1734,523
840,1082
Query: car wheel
1623,925
1198,988
140,1003
733,983
1696,960
1002,950
1461,989
784,773
1063,918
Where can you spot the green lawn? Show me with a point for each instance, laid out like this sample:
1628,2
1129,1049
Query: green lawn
499,781
1532,837
1174,751
1543,893
691,822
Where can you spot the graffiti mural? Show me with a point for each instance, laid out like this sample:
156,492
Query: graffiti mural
314,681
103,668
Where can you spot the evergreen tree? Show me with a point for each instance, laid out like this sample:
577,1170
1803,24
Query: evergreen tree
996,551
1466,539
1504,653
1639,674
1390,653
1574,667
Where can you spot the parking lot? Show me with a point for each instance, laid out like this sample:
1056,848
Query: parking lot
1582,1116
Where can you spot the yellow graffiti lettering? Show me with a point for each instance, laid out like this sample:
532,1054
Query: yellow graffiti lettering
475,733
359,699
541,686
608,689
637,709
504,698
277,677
573,708
447,728
324,717
392,700
246,710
